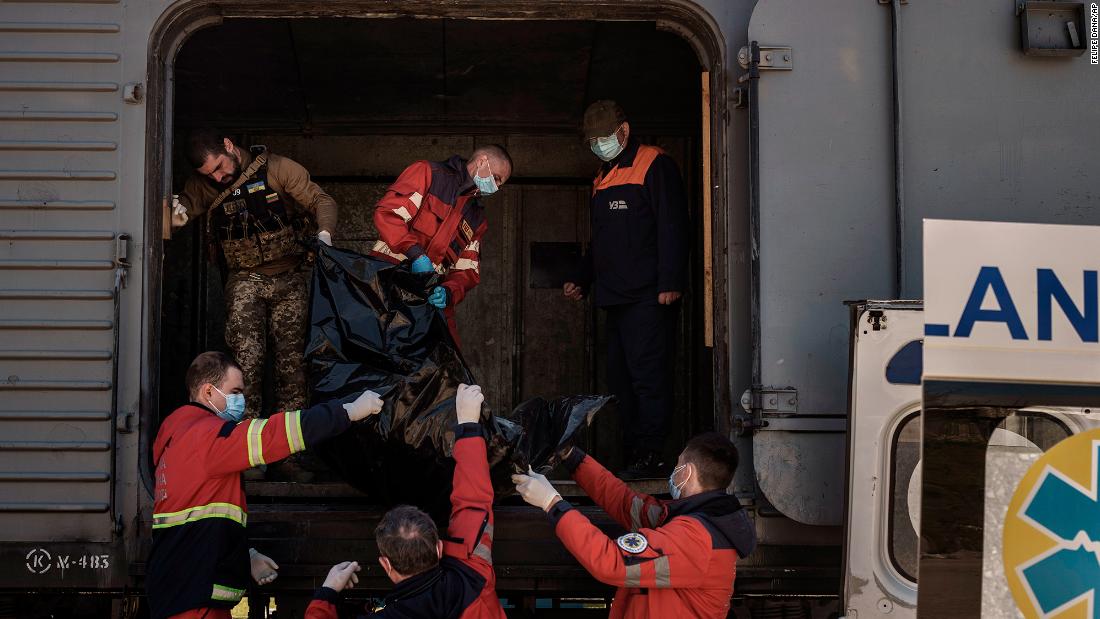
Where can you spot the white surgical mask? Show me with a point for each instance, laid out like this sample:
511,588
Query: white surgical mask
673,488
234,406
608,147
487,185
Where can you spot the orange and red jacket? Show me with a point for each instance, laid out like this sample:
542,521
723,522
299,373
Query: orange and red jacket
680,558
199,556
432,209
463,585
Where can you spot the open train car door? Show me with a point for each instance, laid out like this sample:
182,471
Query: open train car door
1009,528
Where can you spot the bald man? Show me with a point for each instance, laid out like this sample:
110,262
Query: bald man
432,218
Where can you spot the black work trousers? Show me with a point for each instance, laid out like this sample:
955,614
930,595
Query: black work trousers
641,346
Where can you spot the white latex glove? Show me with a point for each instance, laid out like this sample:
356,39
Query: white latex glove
364,406
468,403
264,570
342,576
535,489
325,237
179,212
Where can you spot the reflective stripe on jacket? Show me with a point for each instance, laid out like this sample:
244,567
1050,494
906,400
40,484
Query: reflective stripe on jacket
432,209
679,559
199,556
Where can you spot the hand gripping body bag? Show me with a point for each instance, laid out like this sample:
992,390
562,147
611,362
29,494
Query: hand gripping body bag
371,327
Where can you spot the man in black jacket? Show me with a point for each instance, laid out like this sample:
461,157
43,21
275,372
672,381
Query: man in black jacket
636,270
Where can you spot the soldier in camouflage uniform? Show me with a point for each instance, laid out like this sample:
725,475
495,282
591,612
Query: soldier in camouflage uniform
259,208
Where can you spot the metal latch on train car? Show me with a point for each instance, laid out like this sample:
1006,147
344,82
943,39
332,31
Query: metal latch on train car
124,422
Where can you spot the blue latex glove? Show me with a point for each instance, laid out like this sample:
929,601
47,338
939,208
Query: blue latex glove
438,297
423,264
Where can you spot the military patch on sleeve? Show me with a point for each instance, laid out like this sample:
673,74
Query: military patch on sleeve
633,543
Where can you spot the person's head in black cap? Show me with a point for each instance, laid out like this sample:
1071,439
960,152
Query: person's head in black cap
606,129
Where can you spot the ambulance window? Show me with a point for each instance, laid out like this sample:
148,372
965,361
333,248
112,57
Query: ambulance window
905,497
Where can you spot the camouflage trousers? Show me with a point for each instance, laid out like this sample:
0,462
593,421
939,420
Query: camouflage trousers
259,306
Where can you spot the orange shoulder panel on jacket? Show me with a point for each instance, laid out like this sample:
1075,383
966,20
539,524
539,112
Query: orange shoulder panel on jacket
633,175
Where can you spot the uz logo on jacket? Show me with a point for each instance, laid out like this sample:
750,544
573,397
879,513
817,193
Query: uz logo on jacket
617,205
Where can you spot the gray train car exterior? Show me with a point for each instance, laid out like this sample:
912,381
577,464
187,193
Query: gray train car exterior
831,129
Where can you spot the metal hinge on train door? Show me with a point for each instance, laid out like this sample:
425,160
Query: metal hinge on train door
770,400
774,402
772,57
761,401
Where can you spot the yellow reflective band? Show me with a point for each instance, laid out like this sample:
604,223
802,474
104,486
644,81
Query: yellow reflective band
256,442
294,437
222,593
191,514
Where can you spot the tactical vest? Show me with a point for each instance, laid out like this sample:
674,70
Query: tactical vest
253,225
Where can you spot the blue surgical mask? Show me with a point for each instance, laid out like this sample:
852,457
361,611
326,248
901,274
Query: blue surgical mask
234,406
607,148
673,488
487,185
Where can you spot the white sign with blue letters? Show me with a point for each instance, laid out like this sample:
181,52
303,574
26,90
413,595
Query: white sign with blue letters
1011,302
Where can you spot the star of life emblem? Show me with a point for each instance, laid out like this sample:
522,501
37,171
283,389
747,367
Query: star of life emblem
633,543
1051,542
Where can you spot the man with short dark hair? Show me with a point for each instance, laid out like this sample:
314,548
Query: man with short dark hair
452,577
199,563
680,557
259,209
636,270
431,217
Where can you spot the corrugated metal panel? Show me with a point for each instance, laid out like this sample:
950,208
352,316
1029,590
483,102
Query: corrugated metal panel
59,188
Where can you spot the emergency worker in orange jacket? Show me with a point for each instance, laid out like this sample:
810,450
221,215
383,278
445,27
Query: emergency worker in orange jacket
436,577
431,216
199,565
679,557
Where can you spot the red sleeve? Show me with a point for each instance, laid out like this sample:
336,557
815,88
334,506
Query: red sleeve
466,272
676,555
238,447
470,530
632,510
321,609
398,207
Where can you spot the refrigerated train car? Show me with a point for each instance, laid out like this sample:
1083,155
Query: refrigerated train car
812,137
